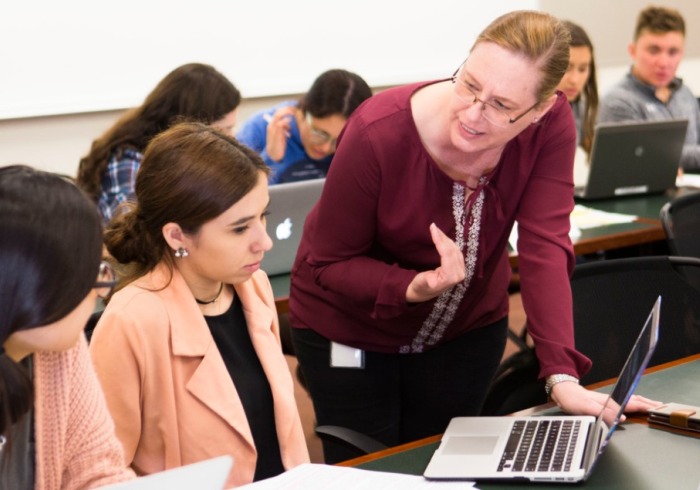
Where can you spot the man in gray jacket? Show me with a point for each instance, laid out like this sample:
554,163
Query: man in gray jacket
651,91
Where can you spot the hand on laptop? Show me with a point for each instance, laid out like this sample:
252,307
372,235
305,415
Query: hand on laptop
429,284
575,399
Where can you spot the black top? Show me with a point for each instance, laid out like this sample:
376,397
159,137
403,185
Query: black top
230,333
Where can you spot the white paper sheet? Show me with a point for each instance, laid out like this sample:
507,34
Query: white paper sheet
582,217
323,477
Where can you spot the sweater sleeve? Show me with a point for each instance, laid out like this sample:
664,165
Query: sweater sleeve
253,134
76,444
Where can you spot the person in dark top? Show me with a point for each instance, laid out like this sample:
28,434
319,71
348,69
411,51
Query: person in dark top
399,291
188,348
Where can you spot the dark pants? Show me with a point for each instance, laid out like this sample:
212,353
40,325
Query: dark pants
398,398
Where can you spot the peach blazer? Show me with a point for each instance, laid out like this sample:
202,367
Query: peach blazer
166,384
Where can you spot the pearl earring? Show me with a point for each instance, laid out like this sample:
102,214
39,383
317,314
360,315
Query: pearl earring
181,253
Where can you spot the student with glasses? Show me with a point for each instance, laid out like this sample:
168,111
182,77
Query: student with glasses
399,292
188,348
55,429
297,138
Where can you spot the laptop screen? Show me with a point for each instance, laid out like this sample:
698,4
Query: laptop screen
633,369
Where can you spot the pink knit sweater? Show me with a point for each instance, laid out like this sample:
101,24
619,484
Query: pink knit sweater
76,447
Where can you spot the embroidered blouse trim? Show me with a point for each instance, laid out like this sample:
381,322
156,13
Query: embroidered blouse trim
445,307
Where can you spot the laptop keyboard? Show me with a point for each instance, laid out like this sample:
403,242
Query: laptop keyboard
540,445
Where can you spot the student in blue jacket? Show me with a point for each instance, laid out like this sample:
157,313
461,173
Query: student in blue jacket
297,138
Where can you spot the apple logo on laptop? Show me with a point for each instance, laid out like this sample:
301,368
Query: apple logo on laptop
284,229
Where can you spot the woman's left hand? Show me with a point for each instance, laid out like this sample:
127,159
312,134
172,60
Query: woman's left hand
575,399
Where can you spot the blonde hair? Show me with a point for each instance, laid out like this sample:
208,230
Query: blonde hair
537,36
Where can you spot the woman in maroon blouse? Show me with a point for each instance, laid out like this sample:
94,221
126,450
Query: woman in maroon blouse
399,296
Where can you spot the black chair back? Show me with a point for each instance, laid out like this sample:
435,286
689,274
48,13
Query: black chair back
612,299
681,222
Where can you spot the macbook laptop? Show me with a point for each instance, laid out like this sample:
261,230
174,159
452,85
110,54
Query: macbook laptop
289,205
633,158
210,474
553,448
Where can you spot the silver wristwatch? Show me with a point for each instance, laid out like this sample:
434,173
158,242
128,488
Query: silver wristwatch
557,378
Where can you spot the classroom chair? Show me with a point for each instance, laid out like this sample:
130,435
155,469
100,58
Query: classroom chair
612,299
680,218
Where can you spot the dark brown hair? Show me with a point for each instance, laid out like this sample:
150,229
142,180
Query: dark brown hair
50,249
194,91
659,20
579,38
190,174
335,92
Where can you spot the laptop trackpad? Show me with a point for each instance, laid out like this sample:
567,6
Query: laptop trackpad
470,445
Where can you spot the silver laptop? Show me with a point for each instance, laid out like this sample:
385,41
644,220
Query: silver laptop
508,448
210,474
630,158
289,205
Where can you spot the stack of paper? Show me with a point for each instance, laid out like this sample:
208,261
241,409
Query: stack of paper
582,217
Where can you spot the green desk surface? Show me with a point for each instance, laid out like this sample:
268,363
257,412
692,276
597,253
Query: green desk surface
644,207
638,457
647,207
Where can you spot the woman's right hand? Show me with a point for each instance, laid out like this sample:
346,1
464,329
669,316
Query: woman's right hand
429,284
278,131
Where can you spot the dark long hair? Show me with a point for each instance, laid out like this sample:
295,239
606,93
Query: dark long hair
190,174
335,92
194,91
579,38
50,248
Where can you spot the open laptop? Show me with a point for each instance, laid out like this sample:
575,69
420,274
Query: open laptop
289,205
630,158
210,474
504,448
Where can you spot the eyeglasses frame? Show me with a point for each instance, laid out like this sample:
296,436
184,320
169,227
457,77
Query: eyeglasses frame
511,120
318,133
106,284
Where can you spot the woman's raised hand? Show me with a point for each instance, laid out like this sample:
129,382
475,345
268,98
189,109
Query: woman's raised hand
429,284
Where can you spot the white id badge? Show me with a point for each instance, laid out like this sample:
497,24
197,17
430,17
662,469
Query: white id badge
343,356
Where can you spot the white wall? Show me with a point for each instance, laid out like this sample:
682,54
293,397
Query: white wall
72,56
56,142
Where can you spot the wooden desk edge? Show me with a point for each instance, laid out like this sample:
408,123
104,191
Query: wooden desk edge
642,236
641,419
282,304
392,450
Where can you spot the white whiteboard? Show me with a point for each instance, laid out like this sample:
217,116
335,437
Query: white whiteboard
74,56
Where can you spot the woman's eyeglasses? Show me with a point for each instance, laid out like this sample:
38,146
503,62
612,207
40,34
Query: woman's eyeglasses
106,280
498,116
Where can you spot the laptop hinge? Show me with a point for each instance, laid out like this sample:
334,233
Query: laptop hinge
595,435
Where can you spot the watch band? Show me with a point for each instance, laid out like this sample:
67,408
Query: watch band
557,378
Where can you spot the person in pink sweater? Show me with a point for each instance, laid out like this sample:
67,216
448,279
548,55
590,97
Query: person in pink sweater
55,429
